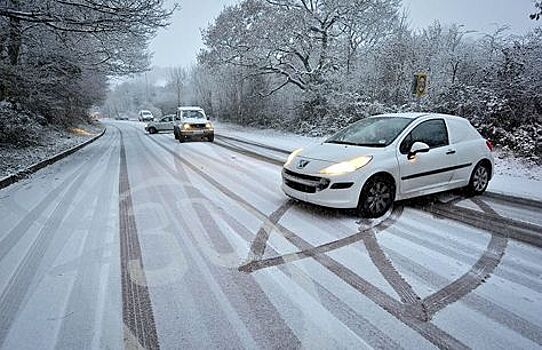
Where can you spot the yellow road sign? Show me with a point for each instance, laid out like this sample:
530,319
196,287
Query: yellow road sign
420,84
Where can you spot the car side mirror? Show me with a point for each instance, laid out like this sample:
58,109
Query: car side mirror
417,147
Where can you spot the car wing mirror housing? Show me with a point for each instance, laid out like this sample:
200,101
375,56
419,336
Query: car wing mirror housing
418,147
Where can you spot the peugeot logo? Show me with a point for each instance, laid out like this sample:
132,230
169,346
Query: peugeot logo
302,163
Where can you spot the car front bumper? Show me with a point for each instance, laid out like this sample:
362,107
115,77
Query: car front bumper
334,191
197,132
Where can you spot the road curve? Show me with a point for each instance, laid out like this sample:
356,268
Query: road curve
137,241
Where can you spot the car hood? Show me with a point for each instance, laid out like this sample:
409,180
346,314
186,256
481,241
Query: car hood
195,121
336,153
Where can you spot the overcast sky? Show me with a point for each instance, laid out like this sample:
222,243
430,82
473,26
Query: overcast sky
180,43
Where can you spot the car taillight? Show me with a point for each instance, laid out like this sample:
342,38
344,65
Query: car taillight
489,145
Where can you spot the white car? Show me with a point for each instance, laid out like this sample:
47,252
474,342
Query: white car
166,123
145,116
375,161
192,122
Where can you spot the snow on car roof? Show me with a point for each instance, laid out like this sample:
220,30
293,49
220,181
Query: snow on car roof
409,115
415,115
190,108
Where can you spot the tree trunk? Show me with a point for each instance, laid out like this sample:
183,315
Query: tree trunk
14,42
14,37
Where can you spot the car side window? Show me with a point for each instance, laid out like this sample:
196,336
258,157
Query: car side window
432,132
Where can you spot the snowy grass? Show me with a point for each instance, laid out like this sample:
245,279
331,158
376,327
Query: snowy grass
51,141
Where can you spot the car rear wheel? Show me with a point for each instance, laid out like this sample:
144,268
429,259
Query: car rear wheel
479,179
376,197
152,130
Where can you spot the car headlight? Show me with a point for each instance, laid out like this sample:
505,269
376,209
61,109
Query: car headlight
186,126
209,126
347,167
292,156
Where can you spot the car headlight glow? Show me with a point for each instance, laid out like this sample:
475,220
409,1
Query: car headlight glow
186,126
209,126
292,156
347,166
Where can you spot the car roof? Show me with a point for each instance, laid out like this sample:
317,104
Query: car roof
190,109
416,115
409,115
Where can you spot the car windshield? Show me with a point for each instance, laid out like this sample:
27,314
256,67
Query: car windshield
371,132
193,115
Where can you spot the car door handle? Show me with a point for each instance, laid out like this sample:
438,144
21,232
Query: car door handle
451,151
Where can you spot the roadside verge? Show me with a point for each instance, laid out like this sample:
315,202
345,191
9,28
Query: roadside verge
13,178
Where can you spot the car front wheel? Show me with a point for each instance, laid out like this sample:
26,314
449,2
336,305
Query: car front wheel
152,130
211,138
479,179
376,197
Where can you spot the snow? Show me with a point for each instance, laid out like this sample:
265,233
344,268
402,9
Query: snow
513,176
275,138
51,141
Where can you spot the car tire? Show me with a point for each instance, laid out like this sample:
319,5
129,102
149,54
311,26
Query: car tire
211,138
376,197
479,179
181,139
152,130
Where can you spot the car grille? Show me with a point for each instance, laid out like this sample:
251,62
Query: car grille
197,126
304,183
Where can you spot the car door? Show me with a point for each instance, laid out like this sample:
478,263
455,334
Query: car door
170,123
165,124
429,171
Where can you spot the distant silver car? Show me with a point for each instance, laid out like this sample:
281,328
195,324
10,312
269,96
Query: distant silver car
166,123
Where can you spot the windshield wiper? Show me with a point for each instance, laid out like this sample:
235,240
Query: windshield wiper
357,144
342,142
371,144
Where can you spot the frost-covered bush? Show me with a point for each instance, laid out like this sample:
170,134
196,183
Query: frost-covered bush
19,128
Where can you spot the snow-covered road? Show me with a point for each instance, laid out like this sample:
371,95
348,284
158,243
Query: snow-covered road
138,241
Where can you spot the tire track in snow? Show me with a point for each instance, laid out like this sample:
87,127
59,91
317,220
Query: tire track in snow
472,279
390,274
474,301
394,307
14,235
481,270
17,288
137,312
253,299
88,268
353,320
